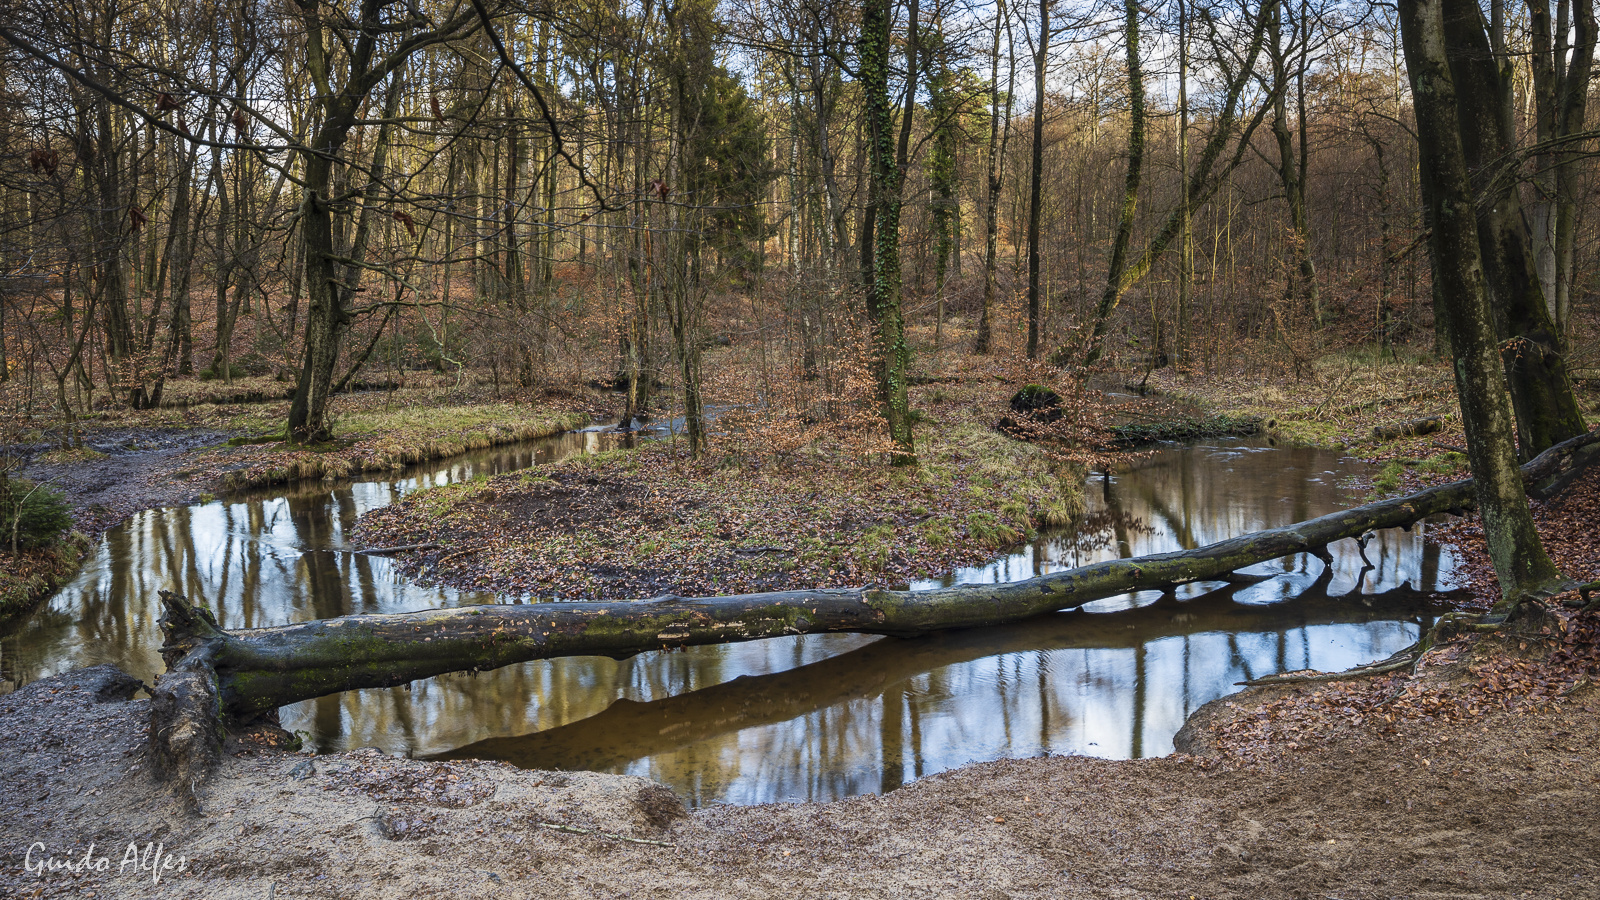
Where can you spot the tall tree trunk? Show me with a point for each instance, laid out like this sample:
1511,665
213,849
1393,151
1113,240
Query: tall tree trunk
327,319
687,58
1292,169
546,245
1519,558
1561,73
999,136
1036,174
636,336
109,232
1546,409
944,108
223,273
181,343
1180,356
1385,244
1130,191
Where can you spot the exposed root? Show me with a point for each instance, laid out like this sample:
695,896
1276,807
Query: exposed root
1405,659
573,829
186,731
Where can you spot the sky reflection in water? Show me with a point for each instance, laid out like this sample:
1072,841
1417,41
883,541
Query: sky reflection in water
812,717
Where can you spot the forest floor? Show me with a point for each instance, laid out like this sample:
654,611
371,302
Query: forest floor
1473,777
650,521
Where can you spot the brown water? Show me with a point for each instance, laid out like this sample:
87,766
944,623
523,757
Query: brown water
811,717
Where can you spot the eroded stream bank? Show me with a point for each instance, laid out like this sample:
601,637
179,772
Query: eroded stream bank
817,717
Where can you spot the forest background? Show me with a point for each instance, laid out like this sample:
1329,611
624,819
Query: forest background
778,208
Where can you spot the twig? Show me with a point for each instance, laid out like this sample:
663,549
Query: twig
403,548
573,829
1316,414
438,563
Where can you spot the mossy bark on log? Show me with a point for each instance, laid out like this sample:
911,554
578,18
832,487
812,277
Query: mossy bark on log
258,670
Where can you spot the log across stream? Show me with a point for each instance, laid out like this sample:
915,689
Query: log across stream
1113,685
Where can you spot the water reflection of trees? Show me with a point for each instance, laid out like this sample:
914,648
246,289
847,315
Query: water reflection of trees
894,710
816,717
261,558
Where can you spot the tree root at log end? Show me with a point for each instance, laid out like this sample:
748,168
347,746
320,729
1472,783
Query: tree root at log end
1448,627
186,727
1405,659
186,733
185,627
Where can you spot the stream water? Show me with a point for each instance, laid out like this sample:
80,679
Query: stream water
811,717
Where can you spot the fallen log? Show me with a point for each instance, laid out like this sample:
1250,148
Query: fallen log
255,671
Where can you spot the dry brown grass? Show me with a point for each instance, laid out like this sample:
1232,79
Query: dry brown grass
384,440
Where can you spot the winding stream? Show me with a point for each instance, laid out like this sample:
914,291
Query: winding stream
813,717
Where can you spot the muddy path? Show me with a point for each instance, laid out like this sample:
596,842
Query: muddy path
142,468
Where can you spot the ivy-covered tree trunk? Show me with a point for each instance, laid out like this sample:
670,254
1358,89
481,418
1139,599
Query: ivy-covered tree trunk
1180,348
944,109
1462,295
892,353
690,54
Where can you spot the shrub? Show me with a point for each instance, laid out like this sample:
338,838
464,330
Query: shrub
1037,402
45,513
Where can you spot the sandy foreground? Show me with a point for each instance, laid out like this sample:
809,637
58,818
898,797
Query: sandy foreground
1506,805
